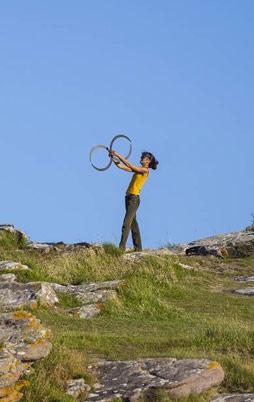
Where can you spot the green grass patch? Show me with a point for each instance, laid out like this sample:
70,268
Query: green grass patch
111,249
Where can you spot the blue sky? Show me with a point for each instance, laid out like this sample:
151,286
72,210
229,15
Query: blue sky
175,76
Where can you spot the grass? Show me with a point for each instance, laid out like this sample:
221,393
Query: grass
112,250
9,240
162,310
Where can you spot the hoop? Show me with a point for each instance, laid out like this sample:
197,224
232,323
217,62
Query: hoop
109,149
121,136
90,158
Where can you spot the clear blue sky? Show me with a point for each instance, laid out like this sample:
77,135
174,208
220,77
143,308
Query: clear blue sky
175,76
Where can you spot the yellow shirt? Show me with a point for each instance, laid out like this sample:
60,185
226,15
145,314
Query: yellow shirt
137,182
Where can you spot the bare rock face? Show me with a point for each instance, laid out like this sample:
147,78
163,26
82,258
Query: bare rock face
23,340
235,398
130,379
236,244
15,295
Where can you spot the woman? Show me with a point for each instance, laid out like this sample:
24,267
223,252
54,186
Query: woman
132,199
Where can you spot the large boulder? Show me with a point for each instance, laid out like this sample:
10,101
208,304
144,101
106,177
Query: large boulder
130,379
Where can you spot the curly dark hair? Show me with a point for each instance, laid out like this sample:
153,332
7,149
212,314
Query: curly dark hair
153,161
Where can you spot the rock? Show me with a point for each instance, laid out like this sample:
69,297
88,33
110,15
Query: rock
76,387
87,311
162,252
235,398
244,278
40,247
236,244
185,266
15,295
10,228
8,278
61,247
91,294
178,249
46,294
130,379
245,291
13,266
23,339
250,228
11,370
24,336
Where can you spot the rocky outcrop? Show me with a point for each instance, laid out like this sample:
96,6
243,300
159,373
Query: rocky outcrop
63,248
21,334
20,235
23,340
130,379
237,244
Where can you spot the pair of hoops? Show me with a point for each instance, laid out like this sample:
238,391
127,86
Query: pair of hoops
102,169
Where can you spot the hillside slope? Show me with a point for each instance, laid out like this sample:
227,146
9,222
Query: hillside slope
164,305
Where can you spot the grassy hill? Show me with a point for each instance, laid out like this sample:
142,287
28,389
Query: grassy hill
162,309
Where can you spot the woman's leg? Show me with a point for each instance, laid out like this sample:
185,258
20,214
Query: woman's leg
135,232
131,205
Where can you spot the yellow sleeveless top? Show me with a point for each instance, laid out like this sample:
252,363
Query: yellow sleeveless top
137,182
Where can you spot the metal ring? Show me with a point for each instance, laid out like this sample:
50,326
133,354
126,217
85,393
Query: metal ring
109,149
121,136
90,158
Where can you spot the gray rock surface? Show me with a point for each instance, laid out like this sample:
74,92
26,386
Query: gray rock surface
245,291
23,340
8,278
15,295
244,278
139,255
61,247
86,311
130,379
235,398
76,387
91,294
13,266
236,244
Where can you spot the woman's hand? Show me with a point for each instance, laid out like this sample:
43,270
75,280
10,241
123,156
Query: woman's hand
112,153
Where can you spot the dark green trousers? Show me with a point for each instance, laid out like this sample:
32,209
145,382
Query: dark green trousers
130,222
